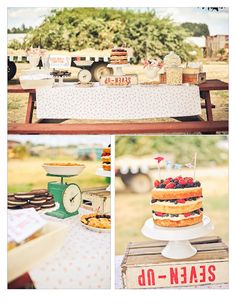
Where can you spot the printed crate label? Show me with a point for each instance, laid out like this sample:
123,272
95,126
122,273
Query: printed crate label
187,274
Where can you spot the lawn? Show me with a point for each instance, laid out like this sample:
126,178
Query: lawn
133,209
215,70
27,174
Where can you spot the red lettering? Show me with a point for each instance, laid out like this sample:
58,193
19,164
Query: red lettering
141,279
202,274
183,275
211,270
151,277
193,275
174,275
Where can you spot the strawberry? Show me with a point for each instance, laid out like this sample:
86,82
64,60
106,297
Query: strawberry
181,200
159,214
157,183
177,178
187,214
188,180
170,185
167,180
182,181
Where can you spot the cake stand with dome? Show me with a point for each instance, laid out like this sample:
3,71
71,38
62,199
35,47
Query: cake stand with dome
178,246
101,172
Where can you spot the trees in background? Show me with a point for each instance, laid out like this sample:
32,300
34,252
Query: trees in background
196,29
74,29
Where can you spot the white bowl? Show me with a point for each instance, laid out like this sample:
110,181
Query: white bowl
63,170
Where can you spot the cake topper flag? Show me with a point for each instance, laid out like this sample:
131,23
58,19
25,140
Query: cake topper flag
194,165
168,164
189,165
159,159
177,166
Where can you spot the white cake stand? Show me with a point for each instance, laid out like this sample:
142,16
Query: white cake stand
117,69
102,173
178,246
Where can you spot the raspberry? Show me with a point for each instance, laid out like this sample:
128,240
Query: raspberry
187,214
157,183
170,185
182,181
188,180
181,200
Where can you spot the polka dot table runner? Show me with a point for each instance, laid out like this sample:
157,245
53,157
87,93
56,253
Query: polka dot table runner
103,103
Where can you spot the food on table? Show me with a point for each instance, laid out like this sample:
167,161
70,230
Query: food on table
101,221
119,56
173,71
60,73
37,199
106,158
177,202
63,164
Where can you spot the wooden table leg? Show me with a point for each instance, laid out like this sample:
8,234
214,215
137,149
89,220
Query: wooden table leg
207,98
30,109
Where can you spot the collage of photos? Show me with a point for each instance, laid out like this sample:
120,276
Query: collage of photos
117,139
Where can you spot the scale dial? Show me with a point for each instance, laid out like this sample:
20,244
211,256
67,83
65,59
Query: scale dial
72,197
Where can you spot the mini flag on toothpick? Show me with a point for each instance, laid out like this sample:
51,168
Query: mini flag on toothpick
159,159
177,166
195,164
189,165
168,164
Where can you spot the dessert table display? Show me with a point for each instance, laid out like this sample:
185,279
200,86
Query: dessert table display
121,97
74,233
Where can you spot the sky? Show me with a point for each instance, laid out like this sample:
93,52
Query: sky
216,21
60,140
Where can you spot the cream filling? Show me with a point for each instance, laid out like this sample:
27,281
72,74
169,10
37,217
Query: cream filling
174,218
172,204
176,190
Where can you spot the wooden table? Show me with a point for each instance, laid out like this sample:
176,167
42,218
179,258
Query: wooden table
187,124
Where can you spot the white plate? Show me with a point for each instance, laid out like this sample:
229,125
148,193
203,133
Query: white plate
98,230
63,170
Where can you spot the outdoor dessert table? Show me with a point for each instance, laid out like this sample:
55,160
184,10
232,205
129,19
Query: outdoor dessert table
189,123
82,262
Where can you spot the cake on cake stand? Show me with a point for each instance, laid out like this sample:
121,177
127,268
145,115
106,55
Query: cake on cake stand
101,172
178,246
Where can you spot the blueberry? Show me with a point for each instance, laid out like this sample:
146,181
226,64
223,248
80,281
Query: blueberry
153,200
197,183
178,186
162,180
201,209
162,186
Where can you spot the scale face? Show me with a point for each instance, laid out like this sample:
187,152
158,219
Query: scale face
71,198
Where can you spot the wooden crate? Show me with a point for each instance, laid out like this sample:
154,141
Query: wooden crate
143,265
100,199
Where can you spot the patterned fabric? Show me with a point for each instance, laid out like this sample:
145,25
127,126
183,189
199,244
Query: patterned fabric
103,103
82,262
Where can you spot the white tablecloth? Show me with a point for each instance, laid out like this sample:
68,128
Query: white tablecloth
102,103
119,284
82,262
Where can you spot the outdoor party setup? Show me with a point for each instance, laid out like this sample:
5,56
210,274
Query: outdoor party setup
118,96
71,225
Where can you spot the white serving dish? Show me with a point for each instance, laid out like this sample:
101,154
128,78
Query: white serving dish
24,257
36,84
98,230
64,170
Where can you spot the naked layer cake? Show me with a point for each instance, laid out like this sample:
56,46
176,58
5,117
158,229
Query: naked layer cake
106,158
119,56
177,202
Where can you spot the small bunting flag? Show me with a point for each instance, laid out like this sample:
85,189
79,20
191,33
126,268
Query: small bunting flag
159,159
189,165
168,164
177,166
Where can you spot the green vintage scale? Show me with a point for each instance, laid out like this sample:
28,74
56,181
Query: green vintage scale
68,195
